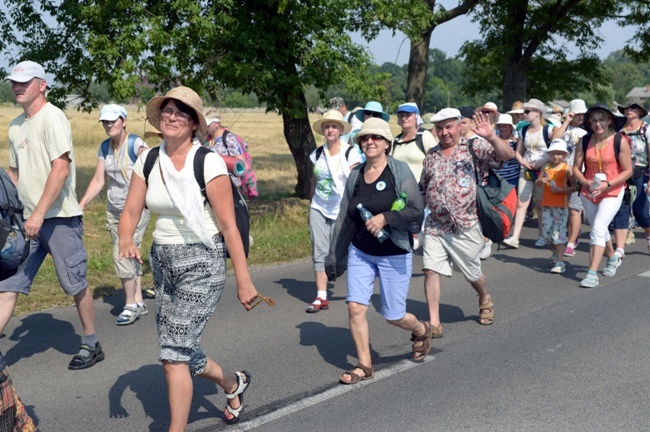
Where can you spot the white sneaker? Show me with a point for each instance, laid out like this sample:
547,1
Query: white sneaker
511,242
558,267
486,250
540,242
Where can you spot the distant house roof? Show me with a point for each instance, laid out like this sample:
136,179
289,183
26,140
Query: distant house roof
639,92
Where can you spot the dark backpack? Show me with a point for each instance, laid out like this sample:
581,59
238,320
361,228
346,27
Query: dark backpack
418,141
617,143
496,202
547,138
319,152
132,155
14,241
241,209
248,179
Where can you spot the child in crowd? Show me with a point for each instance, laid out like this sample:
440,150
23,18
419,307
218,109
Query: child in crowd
556,179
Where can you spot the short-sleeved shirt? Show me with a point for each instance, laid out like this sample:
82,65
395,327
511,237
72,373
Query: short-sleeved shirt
331,173
560,176
572,136
34,143
409,152
170,224
510,169
119,168
535,145
640,139
449,186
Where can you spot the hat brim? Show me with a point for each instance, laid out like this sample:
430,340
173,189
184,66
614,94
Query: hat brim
617,122
359,115
622,109
517,111
109,117
153,112
318,126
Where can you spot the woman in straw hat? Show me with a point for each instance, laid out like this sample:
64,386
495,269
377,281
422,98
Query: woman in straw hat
376,184
639,132
189,250
115,160
332,164
603,185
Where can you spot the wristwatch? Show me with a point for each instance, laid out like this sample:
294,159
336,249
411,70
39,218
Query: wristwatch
609,185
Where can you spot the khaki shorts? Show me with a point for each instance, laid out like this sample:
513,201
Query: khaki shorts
126,268
459,250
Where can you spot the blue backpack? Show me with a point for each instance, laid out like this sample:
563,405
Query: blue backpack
14,242
132,155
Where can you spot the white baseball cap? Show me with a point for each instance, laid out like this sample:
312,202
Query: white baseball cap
25,71
446,114
112,112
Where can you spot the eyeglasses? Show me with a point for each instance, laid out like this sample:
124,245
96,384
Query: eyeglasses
372,114
404,114
365,138
180,115
259,299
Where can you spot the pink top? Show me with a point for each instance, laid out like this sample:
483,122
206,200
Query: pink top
602,161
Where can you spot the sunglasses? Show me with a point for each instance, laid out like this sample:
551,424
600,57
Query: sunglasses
372,114
528,111
259,299
374,138
487,112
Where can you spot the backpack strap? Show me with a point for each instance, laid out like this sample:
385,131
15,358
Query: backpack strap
149,162
523,132
547,139
104,147
319,152
131,149
470,144
617,143
199,163
419,142
347,152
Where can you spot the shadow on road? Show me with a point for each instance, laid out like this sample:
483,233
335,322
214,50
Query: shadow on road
39,332
150,388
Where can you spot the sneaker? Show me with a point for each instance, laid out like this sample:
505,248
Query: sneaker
486,250
590,281
540,242
630,238
612,266
569,251
558,268
511,242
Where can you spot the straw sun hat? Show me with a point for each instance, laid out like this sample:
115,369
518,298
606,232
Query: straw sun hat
331,116
183,94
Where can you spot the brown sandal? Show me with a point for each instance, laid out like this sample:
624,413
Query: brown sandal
368,373
436,333
486,312
420,351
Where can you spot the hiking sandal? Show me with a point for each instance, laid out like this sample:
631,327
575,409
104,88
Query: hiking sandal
368,373
126,318
486,312
79,361
436,333
239,391
420,351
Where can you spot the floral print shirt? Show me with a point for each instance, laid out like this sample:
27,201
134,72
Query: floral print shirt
449,186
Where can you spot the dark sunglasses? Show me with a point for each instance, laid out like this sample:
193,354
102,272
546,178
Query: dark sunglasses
365,138
372,113
527,111
487,112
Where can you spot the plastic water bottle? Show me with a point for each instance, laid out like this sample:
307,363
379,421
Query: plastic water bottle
9,246
366,216
399,203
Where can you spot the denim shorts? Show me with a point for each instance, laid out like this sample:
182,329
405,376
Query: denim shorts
63,239
394,272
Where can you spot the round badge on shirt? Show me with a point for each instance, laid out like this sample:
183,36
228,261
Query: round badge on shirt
463,182
381,185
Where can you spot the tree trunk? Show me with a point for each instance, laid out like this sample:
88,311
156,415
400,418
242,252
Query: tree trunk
297,132
417,69
515,83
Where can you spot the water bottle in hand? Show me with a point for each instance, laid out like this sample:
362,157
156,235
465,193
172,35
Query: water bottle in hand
382,235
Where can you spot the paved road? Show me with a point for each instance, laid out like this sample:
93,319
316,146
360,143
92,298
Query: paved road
558,358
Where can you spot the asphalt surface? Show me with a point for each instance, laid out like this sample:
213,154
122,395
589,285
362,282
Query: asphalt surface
558,357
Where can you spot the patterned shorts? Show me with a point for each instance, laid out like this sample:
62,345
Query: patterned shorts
188,280
554,221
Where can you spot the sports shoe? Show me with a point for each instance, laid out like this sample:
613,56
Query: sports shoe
612,266
511,242
540,242
558,268
630,238
590,281
486,250
569,251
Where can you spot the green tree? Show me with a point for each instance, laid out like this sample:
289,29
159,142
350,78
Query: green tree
519,52
272,48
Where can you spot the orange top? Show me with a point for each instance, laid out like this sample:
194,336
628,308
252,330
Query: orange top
602,160
560,176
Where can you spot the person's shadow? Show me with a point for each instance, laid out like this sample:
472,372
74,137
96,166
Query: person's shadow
39,332
150,388
305,291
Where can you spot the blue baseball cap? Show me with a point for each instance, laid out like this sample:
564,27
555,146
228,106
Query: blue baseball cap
408,107
112,112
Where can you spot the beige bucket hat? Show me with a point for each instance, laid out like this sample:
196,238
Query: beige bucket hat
183,94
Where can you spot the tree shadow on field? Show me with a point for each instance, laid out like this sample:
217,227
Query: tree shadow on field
39,332
150,388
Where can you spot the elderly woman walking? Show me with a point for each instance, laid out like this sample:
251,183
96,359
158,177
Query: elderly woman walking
608,165
115,160
378,246
188,255
332,164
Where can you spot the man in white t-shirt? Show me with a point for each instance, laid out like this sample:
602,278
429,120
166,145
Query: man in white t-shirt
41,163
571,132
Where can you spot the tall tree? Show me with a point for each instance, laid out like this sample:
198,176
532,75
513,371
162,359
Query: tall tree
272,48
526,47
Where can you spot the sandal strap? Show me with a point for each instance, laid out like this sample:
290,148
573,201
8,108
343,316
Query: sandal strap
368,371
488,305
234,411
241,385
133,310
